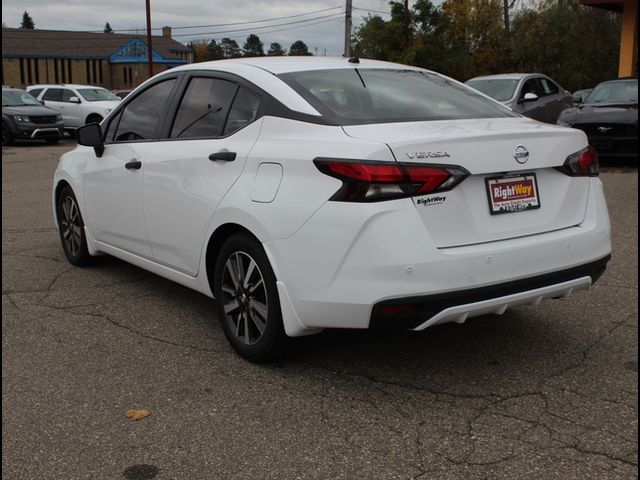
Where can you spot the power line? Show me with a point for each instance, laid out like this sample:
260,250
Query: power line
237,23
292,28
336,15
372,11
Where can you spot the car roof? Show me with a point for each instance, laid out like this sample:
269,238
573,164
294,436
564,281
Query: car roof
278,65
507,76
64,85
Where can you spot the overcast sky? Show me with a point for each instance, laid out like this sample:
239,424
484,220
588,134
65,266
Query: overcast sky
323,30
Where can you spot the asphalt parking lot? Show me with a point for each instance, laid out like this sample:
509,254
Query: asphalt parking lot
542,393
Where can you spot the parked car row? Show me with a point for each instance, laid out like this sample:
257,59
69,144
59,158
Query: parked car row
47,111
608,113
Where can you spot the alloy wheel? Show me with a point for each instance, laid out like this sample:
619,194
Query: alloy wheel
244,298
71,227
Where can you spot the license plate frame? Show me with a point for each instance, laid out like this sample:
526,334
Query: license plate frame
511,185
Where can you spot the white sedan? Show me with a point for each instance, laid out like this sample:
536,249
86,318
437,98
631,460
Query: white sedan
309,193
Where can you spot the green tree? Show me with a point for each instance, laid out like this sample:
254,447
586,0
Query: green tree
107,28
253,47
27,21
299,48
576,57
215,51
276,50
230,48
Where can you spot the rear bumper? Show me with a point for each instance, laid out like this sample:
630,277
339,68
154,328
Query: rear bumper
457,306
350,259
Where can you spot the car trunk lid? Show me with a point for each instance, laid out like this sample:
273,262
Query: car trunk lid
506,154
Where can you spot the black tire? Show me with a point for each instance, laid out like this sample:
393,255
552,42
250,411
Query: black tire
71,228
7,136
52,141
245,305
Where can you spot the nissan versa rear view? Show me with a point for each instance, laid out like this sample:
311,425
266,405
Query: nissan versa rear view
306,193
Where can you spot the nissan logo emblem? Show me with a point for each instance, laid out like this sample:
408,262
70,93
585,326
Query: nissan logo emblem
521,154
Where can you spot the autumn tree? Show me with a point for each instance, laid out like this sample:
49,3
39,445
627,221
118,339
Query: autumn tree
200,51
27,21
276,50
299,48
253,47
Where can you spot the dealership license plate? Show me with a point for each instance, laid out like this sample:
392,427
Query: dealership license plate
515,193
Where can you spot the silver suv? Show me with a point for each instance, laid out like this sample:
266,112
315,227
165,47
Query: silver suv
78,104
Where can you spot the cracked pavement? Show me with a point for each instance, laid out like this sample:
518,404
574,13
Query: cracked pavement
545,393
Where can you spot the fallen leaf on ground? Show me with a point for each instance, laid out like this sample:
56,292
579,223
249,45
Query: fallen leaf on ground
138,414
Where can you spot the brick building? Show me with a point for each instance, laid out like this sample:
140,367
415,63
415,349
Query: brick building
111,60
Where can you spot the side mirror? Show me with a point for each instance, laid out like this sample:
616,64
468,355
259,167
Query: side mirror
74,100
91,136
530,97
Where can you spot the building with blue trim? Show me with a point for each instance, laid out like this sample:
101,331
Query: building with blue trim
111,60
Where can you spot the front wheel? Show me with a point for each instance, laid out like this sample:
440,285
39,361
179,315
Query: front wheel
71,228
7,137
247,302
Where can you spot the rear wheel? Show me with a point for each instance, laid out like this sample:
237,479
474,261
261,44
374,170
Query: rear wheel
247,302
71,228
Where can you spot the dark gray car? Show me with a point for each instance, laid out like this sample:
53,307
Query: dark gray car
531,94
25,118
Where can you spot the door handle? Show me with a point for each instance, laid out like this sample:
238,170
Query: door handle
133,165
224,155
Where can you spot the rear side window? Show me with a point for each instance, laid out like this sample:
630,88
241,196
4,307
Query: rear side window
204,108
357,96
139,118
53,94
243,112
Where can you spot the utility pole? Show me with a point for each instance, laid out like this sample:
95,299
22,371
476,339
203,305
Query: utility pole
406,23
507,26
149,47
347,29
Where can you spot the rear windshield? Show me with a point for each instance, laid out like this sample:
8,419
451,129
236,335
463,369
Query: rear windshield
359,96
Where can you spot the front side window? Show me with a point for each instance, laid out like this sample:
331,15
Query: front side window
204,108
67,94
357,96
530,86
53,95
548,87
139,118
35,91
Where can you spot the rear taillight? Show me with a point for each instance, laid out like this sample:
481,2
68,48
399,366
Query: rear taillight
370,181
582,164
